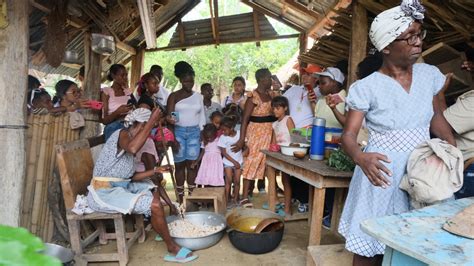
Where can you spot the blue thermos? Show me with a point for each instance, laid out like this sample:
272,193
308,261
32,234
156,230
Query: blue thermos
317,139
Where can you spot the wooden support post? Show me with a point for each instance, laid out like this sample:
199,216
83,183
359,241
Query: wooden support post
137,67
256,27
13,83
182,39
316,216
214,10
216,21
358,45
303,42
92,80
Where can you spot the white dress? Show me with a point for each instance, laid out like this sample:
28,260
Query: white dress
397,122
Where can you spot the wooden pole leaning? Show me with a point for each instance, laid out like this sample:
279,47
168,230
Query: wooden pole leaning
168,161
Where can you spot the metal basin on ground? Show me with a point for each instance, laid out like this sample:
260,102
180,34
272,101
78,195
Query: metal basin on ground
65,255
200,218
242,223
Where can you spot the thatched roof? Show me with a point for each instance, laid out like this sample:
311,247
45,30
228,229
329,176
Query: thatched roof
450,22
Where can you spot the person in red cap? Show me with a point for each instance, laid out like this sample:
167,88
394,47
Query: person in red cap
302,102
302,98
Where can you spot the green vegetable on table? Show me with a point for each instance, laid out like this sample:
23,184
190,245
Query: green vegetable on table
339,160
20,247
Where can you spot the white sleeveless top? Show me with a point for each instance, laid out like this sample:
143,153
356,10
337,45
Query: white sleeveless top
191,111
282,134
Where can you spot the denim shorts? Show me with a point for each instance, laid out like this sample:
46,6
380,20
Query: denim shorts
189,143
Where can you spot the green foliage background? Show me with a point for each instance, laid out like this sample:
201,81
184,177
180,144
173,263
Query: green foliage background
218,65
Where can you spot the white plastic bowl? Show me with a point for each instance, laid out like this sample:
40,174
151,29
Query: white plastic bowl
288,150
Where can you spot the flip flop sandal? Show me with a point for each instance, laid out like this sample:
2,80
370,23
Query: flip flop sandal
158,238
245,203
281,213
278,206
181,256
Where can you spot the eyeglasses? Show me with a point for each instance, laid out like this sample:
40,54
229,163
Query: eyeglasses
411,40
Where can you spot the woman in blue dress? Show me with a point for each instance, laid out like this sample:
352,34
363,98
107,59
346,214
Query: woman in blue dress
400,105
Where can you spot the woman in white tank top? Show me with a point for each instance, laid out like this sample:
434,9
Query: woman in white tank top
186,116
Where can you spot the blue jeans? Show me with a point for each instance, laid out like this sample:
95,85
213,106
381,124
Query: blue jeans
189,140
111,128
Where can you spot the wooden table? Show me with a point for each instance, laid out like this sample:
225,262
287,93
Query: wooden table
319,176
416,238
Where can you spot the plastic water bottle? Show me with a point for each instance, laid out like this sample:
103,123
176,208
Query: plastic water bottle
317,139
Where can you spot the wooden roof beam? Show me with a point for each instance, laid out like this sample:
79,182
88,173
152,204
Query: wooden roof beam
273,15
75,22
318,28
173,20
296,5
125,47
169,48
104,26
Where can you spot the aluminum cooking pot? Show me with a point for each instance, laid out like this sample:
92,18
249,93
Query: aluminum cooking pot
242,223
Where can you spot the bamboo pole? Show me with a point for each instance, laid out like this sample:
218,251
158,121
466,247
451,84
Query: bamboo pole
65,127
35,196
42,173
39,178
48,173
55,138
168,161
45,174
61,131
31,162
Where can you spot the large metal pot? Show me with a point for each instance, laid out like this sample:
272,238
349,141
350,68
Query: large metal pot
103,44
241,223
206,218
65,255
71,57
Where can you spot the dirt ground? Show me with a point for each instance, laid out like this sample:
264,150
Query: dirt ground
291,251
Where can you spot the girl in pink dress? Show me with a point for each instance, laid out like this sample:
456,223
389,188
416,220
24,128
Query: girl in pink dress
211,171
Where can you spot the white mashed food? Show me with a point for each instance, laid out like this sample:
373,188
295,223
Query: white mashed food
185,228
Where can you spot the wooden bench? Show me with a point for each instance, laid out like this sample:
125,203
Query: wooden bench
215,195
328,255
75,164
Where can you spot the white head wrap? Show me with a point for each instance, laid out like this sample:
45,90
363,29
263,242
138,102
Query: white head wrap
137,115
391,23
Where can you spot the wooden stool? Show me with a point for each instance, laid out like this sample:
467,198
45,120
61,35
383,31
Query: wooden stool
216,195
327,255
